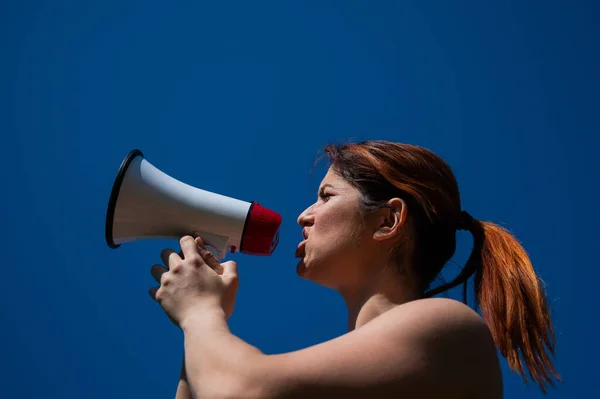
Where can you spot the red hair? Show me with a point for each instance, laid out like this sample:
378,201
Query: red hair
507,289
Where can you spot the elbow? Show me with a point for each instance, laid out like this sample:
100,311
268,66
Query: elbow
232,387
253,377
218,387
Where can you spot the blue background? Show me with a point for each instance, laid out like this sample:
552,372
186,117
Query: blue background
238,98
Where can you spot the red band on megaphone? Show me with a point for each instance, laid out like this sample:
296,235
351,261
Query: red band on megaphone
261,233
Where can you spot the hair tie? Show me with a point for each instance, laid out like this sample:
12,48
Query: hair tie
464,221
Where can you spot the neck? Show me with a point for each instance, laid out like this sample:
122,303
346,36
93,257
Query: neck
383,292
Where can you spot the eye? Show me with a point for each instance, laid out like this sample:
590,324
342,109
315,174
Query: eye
324,196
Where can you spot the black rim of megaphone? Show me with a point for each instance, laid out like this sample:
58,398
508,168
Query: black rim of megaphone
114,195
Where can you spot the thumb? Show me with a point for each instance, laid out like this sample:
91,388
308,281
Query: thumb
230,270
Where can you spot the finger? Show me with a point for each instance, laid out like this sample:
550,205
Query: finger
230,268
199,241
208,256
152,292
188,246
157,271
230,272
168,255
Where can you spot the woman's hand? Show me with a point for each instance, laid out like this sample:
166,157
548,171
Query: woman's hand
193,281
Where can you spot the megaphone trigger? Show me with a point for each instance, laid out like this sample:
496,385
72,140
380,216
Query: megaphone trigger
217,245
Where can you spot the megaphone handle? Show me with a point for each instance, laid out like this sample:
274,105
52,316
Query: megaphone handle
217,245
214,251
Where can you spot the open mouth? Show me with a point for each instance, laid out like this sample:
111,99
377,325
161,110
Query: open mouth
302,245
300,249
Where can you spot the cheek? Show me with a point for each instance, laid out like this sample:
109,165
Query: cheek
333,250
338,230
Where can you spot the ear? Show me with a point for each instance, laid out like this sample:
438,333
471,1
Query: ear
390,220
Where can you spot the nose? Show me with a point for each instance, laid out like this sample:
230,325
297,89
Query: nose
306,218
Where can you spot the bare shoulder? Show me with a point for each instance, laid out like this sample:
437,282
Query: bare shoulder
439,313
443,325
450,323
456,337
427,348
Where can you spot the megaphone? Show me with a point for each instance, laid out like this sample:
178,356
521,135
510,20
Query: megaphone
147,203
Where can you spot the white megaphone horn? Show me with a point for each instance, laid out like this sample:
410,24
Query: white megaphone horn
147,203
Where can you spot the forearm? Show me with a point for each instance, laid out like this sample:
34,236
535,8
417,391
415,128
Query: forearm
217,361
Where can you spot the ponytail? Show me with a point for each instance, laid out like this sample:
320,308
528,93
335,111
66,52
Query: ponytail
511,300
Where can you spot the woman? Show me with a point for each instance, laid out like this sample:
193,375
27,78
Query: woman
380,232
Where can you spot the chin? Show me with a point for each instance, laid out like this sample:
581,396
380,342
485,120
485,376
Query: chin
315,272
301,268
304,269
